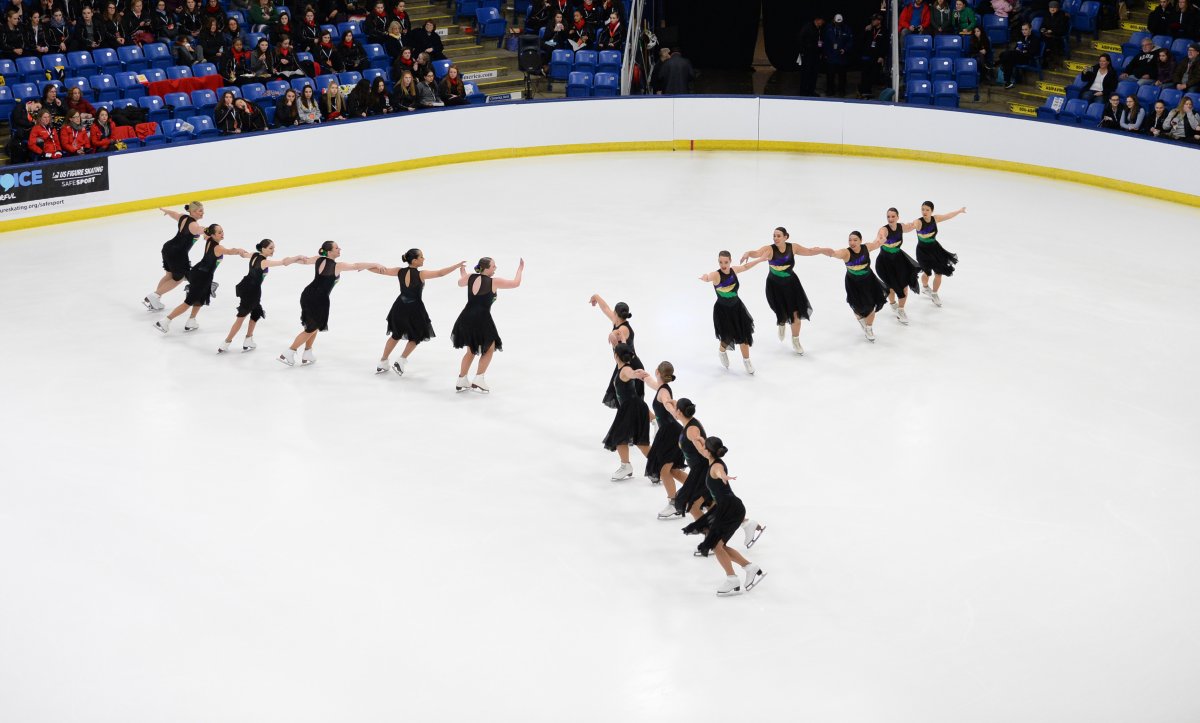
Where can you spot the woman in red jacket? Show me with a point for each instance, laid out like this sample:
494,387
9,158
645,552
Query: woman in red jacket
43,141
73,138
102,131
76,101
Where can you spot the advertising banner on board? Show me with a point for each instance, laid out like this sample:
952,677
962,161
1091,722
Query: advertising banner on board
52,183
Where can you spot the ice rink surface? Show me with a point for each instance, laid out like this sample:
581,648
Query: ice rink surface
989,515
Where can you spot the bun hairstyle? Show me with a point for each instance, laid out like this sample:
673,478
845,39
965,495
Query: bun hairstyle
724,255
686,407
410,255
783,231
193,206
211,230
484,264
263,244
622,310
928,203
325,248
715,447
667,370
624,352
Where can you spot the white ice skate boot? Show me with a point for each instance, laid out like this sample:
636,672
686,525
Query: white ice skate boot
724,357
479,384
191,324
749,367
796,346
249,345
398,366
669,512
308,358
625,471
288,357
937,300
731,586
223,348
779,329
902,316
870,331
926,291
381,366
895,307
461,384
754,575
153,302
163,325
862,322
753,531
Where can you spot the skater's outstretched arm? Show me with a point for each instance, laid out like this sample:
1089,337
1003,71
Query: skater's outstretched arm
387,271
512,283
746,267
712,277
226,251
874,245
842,254
439,273
194,227
805,250
361,266
646,377
760,252
462,276
267,263
947,216
597,300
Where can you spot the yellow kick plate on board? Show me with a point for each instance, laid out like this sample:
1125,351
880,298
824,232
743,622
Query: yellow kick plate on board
1023,109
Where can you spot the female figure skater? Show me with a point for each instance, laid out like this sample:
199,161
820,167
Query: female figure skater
622,333
314,301
934,260
175,252
733,324
631,425
692,494
249,292
785,294
896,269
200,279
720,522
664,462
408,318
474,328
865,293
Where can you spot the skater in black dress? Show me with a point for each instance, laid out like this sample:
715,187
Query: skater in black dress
934,260
865,293
175,252
733,324
622,333
408,318
249,292
785,293
314,300
474,330
664,462
631,425
723,519
896,269
692,496
200,279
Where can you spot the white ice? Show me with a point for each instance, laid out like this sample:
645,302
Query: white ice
990,515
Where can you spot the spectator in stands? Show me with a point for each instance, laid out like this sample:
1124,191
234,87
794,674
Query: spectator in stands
1160,19
308,34
350,55
211,41
183,52
21,123
1026,50
1184,21
404,93
263,15
608,6
331,11
404,61
676,74
76,102
283,29
452,91
58,31
421,64
226,115
233,29
12,41
190,19
590,12
286,64
307,107
250,116
243,5
73,138
287,110
1166,69
52,104
1144,67
1001,8
915,18
262,62
1100,80
400,15
425,39
1056,27
358,103
324,54
212,9
35,35
555,38
1132,115
235,69
43,141
810,55
163,22
579,34
375,27
538,17
381,99
427,94
102,131
136,24
1159,122
333,105
18,5
1111,116
1187,72
876,52
110,27
980,47
393,40
964,20
87,35
1184,122
839,47
941,17
561,6
612,34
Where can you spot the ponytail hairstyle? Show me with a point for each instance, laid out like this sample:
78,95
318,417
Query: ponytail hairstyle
263,244
667,370
929,204
783,231
686,407
325,248
724,255
622,310
715,447
624,352
484,264
410,255
193,206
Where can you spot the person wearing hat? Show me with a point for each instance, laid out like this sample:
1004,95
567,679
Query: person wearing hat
1056,27
839,42
1187,72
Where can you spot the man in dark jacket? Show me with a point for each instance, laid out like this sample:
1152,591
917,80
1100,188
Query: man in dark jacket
1027,48
1160,19
676,75
1187,71
811,49
1056,26
1143,68
20,123
839,46
12,38
875,52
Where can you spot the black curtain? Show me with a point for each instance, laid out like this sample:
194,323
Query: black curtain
716,33
782,20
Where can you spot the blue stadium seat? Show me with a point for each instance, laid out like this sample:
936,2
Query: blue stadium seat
176,72
918,45
128,84
250,40
948,46
1171,97
81,64
1086,19
1133,46
561,61
920,92
349,78
465,8
277,88
268,110
154,75
8,69
942,68
579,85
124,103
132,58
181,104
31,69
106,59
996,29
299,83
174,132
1037,66
53,61
43,84
324,82
7,101
1126,88
304,58
1120,62
201,70
158,139
22,91
966,74
105,104
945,93
440,68
1147,95
585,61
253,92
235,13
474,97
489,23
1073,112
370,74
84,86
377,56
237,92
1160,41
916,67
158,55
205,101
610,62
204,126
1094,113
1046,110
353,26
1179,48
606,85
333,32
158,109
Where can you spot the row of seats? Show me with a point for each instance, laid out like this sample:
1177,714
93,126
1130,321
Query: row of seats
1177,46
1078,111
941,93
565,61
587,85
1146,94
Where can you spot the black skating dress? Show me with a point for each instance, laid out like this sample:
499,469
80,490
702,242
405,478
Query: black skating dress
731,321
865,293
175,251
785,294
249,290
408,318
722,519
665,447
931,257
474,328
200,278
610,395
897,270
693,488
632,423
314,300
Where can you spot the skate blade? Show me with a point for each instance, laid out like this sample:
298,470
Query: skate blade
481,390
222,351
285,362
754,538
248,348
757,579
731,593
381,370
668,518
307,363
620,479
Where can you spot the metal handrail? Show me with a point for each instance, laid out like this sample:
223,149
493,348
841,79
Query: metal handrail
633,41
